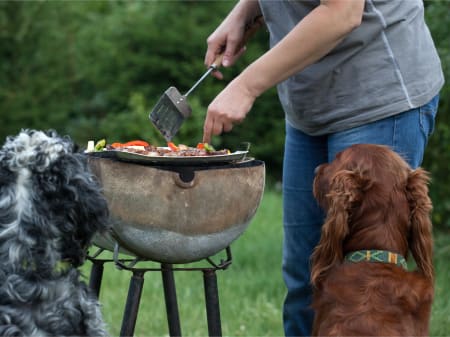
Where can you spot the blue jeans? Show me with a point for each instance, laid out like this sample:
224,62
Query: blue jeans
407,133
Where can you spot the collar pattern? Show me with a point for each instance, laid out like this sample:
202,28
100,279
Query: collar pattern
372,255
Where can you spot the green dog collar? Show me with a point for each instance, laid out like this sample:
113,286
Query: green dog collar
383,256
61,266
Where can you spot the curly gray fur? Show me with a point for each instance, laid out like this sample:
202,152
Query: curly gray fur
50,208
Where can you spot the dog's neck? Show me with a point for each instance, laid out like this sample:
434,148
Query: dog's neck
380,232
59,268
379,256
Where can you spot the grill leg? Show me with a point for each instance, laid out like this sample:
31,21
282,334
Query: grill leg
95,280
170,296
212,303
132,304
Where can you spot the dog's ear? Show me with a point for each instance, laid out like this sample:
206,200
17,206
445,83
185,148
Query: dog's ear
345,191
75,201
421,236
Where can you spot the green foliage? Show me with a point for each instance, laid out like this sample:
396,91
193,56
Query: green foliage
94,69
79,66
437,156
440,318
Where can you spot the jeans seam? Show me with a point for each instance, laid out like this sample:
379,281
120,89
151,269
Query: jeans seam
394,134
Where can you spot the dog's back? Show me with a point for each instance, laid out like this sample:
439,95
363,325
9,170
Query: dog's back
373,299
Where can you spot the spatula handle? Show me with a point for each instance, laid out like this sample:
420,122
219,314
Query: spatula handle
250,30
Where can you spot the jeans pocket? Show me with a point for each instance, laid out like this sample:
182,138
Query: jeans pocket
427,116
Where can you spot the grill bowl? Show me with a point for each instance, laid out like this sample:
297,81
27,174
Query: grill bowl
178,214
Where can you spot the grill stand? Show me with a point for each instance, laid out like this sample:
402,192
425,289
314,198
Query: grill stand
170,295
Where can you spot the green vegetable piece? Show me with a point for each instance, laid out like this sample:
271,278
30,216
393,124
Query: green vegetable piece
208,147
100,145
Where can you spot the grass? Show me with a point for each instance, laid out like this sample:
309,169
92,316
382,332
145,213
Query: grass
251,290
440,318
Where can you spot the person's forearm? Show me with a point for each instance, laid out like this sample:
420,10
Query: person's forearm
247,10
314,37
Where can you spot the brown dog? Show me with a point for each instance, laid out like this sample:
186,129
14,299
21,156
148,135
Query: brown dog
377,210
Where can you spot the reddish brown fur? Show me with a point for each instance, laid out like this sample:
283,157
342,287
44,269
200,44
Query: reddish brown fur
373,200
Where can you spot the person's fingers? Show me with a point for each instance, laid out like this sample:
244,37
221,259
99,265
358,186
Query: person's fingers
209,57
207,127
214,48
217,74
230,51
232,59
227,127
217,127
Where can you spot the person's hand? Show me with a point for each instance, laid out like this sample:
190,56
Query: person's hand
229,108
225,40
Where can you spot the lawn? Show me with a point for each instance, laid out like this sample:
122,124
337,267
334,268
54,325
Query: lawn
251,290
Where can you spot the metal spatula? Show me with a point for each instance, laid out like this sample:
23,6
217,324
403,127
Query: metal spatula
172,107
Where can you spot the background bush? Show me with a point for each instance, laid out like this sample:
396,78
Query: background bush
437,157
95,69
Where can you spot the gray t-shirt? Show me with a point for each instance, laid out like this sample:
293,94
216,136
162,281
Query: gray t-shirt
386,66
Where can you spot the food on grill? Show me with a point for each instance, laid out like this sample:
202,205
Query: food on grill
143,148
131,143
173,150
99,146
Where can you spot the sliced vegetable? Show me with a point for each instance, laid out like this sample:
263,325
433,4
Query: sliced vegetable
90,146
116,145
172,146
136,143
100,145
130,143
208,148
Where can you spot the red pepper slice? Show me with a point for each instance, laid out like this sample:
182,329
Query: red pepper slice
172,146
116,145
130,143
136,143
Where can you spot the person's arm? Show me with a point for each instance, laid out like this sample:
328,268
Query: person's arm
313,37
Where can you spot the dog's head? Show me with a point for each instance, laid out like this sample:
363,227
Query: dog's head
50,203
373,200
